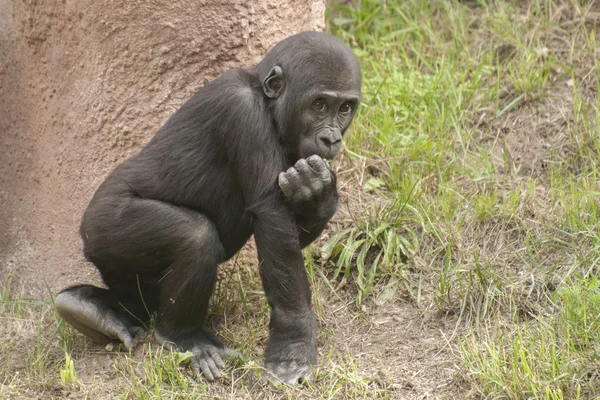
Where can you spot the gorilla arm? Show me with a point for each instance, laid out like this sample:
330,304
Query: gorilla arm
291,351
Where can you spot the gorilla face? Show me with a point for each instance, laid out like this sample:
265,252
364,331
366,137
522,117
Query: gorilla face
315,123
323,120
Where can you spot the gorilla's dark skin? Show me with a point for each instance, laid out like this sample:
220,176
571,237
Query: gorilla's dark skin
243,156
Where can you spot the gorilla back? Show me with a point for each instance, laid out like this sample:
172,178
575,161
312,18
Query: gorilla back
243,156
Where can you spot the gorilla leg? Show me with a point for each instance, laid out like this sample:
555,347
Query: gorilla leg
152,256
186,287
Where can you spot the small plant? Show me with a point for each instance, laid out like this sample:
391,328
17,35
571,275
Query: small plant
67,372
484,205
161,375
370,251
164,369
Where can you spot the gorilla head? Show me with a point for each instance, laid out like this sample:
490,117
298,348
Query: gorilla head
314,94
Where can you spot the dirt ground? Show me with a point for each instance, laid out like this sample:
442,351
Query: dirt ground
396,353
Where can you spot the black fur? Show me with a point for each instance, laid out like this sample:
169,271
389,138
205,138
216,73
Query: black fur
163,220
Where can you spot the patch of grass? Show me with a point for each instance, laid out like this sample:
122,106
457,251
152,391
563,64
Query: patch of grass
372,251
159,375
433,71
554,357
68,376
482,119
35,346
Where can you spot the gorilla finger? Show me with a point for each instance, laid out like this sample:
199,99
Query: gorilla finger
215,371
284,184
125,337
297,377
319,165
195,368
305,375
128,342
206,370
293,177
308,174
315,161
217,359
303,167
313,158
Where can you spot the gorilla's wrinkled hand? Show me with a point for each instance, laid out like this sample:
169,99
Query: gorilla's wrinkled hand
310,187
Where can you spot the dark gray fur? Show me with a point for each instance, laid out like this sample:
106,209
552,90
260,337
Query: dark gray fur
243,156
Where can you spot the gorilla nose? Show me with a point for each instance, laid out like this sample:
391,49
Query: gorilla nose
330,139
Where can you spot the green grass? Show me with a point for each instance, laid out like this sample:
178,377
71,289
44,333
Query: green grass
372,251
553,357
498,242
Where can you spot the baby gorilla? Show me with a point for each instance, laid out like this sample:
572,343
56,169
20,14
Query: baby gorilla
243,156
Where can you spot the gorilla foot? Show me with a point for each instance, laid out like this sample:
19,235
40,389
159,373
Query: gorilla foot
209,353
95,319
208,360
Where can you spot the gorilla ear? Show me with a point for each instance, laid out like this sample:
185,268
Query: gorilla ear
273,84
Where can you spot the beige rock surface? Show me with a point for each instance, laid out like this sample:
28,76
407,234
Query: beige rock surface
84,84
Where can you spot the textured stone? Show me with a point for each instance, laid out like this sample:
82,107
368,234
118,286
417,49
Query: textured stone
84,84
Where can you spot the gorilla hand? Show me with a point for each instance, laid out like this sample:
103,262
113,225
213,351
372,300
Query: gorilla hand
292,350
310,187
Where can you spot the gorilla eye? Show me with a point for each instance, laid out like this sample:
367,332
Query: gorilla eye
319,106
345,108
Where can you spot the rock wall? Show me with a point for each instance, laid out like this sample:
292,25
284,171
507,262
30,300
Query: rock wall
84,84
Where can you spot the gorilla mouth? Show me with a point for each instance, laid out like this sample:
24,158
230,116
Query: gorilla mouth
325,155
